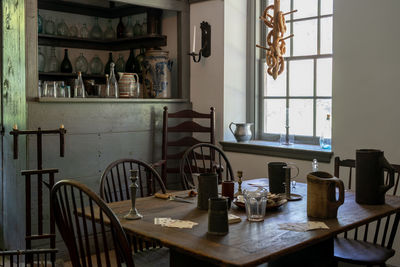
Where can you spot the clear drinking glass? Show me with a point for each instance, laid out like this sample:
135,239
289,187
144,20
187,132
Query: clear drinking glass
62,28
256,203
84,32
109,33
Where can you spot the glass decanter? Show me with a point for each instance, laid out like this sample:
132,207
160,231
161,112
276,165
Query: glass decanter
79,88
108,64
129,30
53,61
137,29
109,33
120,29
62,28
96,32
120,64
66,66
84,32
73,31
50,27
81,64
40,23
96,66
112,85
41,60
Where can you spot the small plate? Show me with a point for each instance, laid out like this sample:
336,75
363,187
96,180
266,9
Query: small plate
274,206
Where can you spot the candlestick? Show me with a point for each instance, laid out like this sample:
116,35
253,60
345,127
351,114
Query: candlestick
133,213
194,39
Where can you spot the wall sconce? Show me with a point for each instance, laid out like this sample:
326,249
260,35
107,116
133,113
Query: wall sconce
205,50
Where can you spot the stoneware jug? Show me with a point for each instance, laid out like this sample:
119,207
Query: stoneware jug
321,195
242,131
128,85
370,182
157,69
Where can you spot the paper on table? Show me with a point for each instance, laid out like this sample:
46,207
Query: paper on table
168,222
303,227
233,219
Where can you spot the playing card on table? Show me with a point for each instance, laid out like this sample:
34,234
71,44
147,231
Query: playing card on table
168,222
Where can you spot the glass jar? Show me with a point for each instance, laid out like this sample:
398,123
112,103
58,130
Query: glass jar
84,32
73,31
96,66
50,26
81,64
109,33
53,61
120,64
137,29
62,28
96,32
129,31
41,60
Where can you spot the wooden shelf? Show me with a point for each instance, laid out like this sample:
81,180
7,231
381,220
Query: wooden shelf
146,41
91,10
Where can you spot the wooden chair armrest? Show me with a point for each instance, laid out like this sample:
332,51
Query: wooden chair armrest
159,163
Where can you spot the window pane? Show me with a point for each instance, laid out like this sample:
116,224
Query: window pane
324,107
274,115
301,73
326,36
324,77
306,8
274,87
301,116
326,7
305,38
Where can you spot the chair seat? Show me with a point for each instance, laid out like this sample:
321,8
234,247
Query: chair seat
360,252
148,258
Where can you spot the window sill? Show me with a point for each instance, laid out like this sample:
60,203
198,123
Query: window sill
296,151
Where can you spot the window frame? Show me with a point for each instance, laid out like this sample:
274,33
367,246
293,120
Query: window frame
259,62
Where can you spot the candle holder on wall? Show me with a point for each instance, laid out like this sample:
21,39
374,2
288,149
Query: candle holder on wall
205,50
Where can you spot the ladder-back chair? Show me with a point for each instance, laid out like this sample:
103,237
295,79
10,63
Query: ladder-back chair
363,248
177,136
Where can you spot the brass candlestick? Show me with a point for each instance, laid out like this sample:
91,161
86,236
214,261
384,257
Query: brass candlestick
240,175
133,213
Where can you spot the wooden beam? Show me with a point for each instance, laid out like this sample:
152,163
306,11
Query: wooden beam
174,5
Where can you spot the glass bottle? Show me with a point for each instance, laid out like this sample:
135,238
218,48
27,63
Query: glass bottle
138,61
41,60
120,64
110,60
66,66
96,32
79,89
62,28
137,29
112,85
73,31
109,34
40,23
129,31
50,27
84,32
144,27
53,61
96,66
81,64
120,29
129,66
325,139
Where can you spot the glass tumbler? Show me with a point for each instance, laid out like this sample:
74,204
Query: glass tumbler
256,203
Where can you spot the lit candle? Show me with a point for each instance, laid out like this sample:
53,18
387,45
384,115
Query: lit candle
15,127
62,126
194,38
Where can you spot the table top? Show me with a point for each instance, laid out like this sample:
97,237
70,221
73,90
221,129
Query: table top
247,243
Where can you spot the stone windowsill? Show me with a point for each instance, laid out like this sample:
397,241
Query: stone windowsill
296,151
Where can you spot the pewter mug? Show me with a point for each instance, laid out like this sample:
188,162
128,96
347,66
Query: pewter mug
242,131
370,182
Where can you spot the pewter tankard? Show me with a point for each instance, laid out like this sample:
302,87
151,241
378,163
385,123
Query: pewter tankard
242,132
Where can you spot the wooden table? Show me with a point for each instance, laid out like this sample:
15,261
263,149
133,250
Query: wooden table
248,243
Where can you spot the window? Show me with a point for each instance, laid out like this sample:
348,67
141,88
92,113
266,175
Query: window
304,89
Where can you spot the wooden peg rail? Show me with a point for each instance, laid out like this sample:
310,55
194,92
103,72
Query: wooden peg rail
39,133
